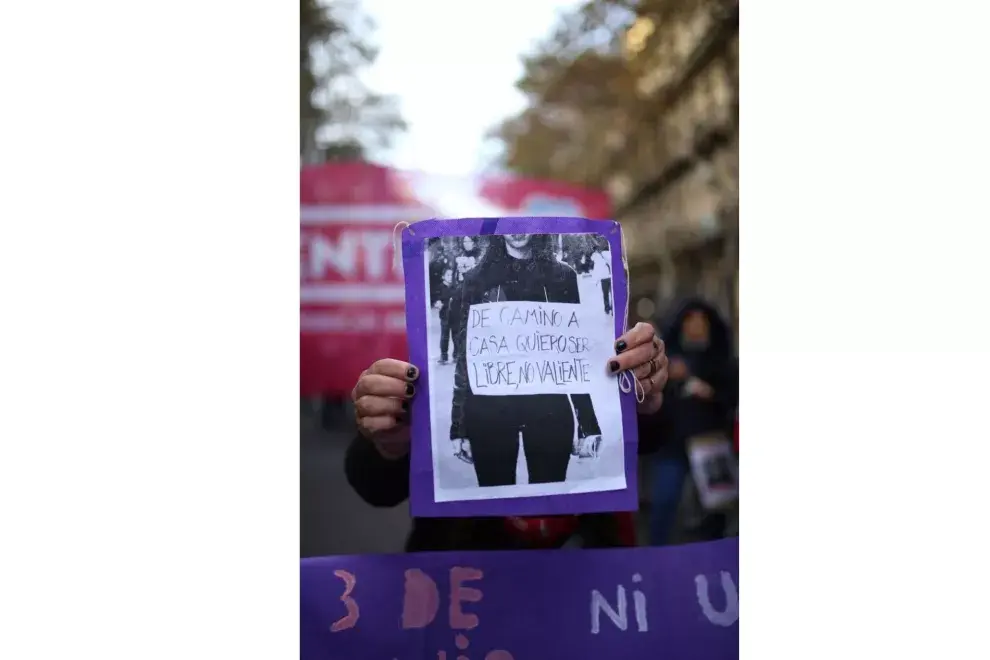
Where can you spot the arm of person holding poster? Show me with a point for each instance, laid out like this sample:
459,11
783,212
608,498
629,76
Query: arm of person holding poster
564,285
377,462
457,318
642,354
638,351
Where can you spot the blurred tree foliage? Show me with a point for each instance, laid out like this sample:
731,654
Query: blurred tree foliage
581,89
340,118
578,89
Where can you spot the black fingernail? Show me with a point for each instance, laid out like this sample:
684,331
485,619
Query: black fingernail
613,365
411,373
405,406
410,389
620,346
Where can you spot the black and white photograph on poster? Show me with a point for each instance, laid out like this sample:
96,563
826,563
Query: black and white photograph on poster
519,329
715,472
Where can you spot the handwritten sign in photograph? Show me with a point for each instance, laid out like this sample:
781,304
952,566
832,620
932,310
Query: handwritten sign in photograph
635,604
512,330
520,348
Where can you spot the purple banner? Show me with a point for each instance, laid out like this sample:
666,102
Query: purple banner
680,603
515,413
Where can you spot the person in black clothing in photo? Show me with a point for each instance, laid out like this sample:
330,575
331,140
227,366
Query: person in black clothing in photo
603,271
445,291
468,259
450,316
438,266
485,429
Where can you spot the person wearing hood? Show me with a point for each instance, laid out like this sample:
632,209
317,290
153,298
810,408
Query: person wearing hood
699,399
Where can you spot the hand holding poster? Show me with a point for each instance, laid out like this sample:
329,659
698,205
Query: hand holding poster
634,604
517,413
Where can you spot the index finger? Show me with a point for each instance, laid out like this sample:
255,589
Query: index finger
354,396
395,369
640,334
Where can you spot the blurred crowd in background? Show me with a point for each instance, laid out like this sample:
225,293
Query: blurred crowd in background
638,98
452,257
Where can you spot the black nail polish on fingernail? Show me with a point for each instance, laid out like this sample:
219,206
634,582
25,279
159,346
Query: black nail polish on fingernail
410,389
620,346
405,406
411,373
613,366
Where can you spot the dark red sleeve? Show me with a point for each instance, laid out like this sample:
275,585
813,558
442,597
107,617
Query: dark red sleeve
627,528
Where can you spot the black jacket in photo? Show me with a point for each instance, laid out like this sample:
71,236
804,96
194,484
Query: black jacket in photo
443,294
530,280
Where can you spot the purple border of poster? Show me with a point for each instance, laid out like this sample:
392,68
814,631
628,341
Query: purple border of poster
421,496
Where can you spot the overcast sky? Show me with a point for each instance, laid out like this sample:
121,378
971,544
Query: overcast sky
453,64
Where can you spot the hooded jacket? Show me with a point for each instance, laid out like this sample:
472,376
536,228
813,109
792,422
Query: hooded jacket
681,416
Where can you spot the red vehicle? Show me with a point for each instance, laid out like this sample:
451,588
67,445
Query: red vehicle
351,288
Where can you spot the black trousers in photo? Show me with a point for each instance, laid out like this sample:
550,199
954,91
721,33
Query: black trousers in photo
494,423
444,334
607,294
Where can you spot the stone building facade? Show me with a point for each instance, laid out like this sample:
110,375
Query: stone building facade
673,173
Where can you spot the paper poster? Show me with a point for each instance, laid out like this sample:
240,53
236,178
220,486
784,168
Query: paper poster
635,604
518,324
715,472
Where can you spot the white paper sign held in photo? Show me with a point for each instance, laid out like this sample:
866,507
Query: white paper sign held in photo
520,348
